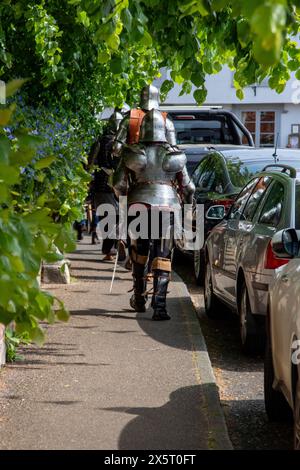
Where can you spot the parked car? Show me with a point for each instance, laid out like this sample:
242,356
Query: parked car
239,261
196,152
200,127
207,125
282,359
219,178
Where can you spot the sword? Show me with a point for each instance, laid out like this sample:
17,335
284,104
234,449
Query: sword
114,272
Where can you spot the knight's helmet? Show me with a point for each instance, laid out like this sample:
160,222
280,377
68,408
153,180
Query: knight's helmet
149,98
115,120
153,128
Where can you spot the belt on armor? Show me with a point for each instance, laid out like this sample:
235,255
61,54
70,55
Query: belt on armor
166,183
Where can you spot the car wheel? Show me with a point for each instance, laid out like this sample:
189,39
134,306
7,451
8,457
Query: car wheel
277,407
252,337
297,418
212,303
199,267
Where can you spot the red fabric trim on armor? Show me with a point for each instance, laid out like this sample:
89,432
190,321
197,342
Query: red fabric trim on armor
135,121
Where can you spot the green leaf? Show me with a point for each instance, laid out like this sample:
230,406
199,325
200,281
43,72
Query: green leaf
165,88
83,18
116,65
218,5
103,57
244,32
52,257
5,116
113,41
240,94
38,217
268,18
14,85
62,314
197,79
126,17
44,162
8,174
200,95
146,39
37,335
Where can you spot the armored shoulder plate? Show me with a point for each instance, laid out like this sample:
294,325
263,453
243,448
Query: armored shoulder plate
134,158
174,162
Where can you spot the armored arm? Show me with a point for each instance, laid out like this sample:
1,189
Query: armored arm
170,132
121,137
120,180
95,149
186,186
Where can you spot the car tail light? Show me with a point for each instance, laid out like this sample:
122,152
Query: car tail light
227,203
271,261
184,117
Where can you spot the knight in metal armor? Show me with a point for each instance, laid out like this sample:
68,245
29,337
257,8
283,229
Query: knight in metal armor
103,163
153,173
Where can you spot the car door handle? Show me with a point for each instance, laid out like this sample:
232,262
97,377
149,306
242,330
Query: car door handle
285,278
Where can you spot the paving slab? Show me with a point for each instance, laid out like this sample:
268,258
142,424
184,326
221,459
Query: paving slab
111,378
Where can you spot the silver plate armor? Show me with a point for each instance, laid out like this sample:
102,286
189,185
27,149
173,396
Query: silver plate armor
115,120
152,172
153,128
149,98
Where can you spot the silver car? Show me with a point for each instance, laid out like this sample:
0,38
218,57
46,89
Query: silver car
239,261
282,359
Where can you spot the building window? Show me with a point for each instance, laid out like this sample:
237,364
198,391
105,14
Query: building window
249,120
262,125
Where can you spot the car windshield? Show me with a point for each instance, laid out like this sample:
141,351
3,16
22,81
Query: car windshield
202,130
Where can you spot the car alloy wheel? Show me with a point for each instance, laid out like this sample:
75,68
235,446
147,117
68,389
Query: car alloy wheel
297,419
252,336
197,263
243,317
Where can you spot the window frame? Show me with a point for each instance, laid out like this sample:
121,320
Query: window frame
257,178
260,200
264,202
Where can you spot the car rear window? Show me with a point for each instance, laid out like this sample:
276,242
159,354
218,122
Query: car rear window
191,129
241,172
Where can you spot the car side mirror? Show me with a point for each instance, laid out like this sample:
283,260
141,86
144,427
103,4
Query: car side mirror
215,213
286,243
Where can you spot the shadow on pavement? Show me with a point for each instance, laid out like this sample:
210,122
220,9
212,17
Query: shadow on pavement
174,425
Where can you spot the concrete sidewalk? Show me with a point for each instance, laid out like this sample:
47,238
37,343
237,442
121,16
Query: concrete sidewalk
111,378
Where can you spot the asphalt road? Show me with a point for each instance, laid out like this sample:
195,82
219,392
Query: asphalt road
239,378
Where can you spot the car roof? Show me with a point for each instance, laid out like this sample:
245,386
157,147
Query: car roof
205,148
290,157
189,107
253,154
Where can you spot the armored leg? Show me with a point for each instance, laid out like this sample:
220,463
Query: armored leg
139,256
161,267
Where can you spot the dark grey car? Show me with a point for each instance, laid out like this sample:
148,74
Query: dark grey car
239,261
220,176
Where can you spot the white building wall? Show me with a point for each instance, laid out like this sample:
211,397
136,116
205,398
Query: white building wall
289,116
221,92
